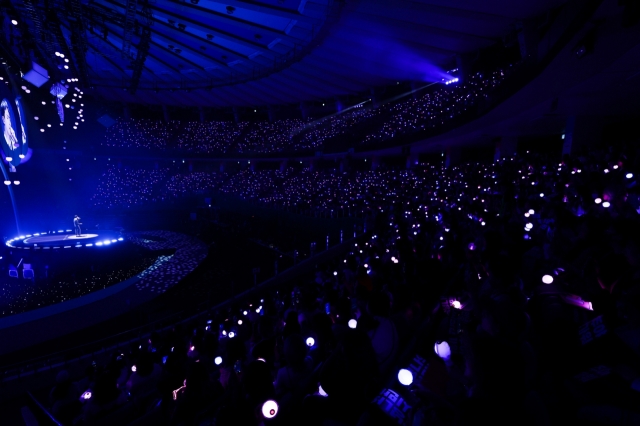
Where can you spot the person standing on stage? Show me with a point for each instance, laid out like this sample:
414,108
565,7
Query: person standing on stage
76,225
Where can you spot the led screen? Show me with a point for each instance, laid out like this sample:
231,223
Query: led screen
14,138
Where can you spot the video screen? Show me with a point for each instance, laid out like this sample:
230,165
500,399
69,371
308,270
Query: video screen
11,142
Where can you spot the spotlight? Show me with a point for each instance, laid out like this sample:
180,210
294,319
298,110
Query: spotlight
57,53
547,279
353,323
629,175
598,200
405,377
606,204
456,304
218,360
21,155
310,341
7,182
14,22
270,409
9,158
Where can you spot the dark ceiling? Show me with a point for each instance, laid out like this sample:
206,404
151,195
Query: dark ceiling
250,52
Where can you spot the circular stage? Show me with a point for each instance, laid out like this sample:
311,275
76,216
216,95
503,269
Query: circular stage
62,240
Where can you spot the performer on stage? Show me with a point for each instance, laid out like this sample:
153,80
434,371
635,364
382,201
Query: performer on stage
76,225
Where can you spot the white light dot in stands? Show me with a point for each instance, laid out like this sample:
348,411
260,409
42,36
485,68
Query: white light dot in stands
353,323
442,349
310,341
218,360
598,200
405,377
270,409
606,204
547,279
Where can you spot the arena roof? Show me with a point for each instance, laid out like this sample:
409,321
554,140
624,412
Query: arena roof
254,52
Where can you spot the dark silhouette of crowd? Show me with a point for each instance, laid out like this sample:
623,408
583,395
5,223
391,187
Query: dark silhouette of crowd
498,293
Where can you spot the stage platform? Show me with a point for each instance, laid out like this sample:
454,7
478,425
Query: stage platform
64,240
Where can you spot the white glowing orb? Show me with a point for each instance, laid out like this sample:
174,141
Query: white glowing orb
629,175
547,279
310,341
606,204
353,323
270,409
218,360
321,391
405,377
456,304
232,335
442,349
598,200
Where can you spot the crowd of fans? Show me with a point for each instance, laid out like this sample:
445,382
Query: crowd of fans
501,293
49,287
437,108
168,270
427,109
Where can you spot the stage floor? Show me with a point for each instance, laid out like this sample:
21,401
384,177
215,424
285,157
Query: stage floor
60,240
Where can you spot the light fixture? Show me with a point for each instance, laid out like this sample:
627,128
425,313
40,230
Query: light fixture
547,279
16,182
353,323
310,341
218,360
7,182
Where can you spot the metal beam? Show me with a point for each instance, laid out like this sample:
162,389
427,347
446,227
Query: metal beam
143,46
129,22
271,10
78,40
